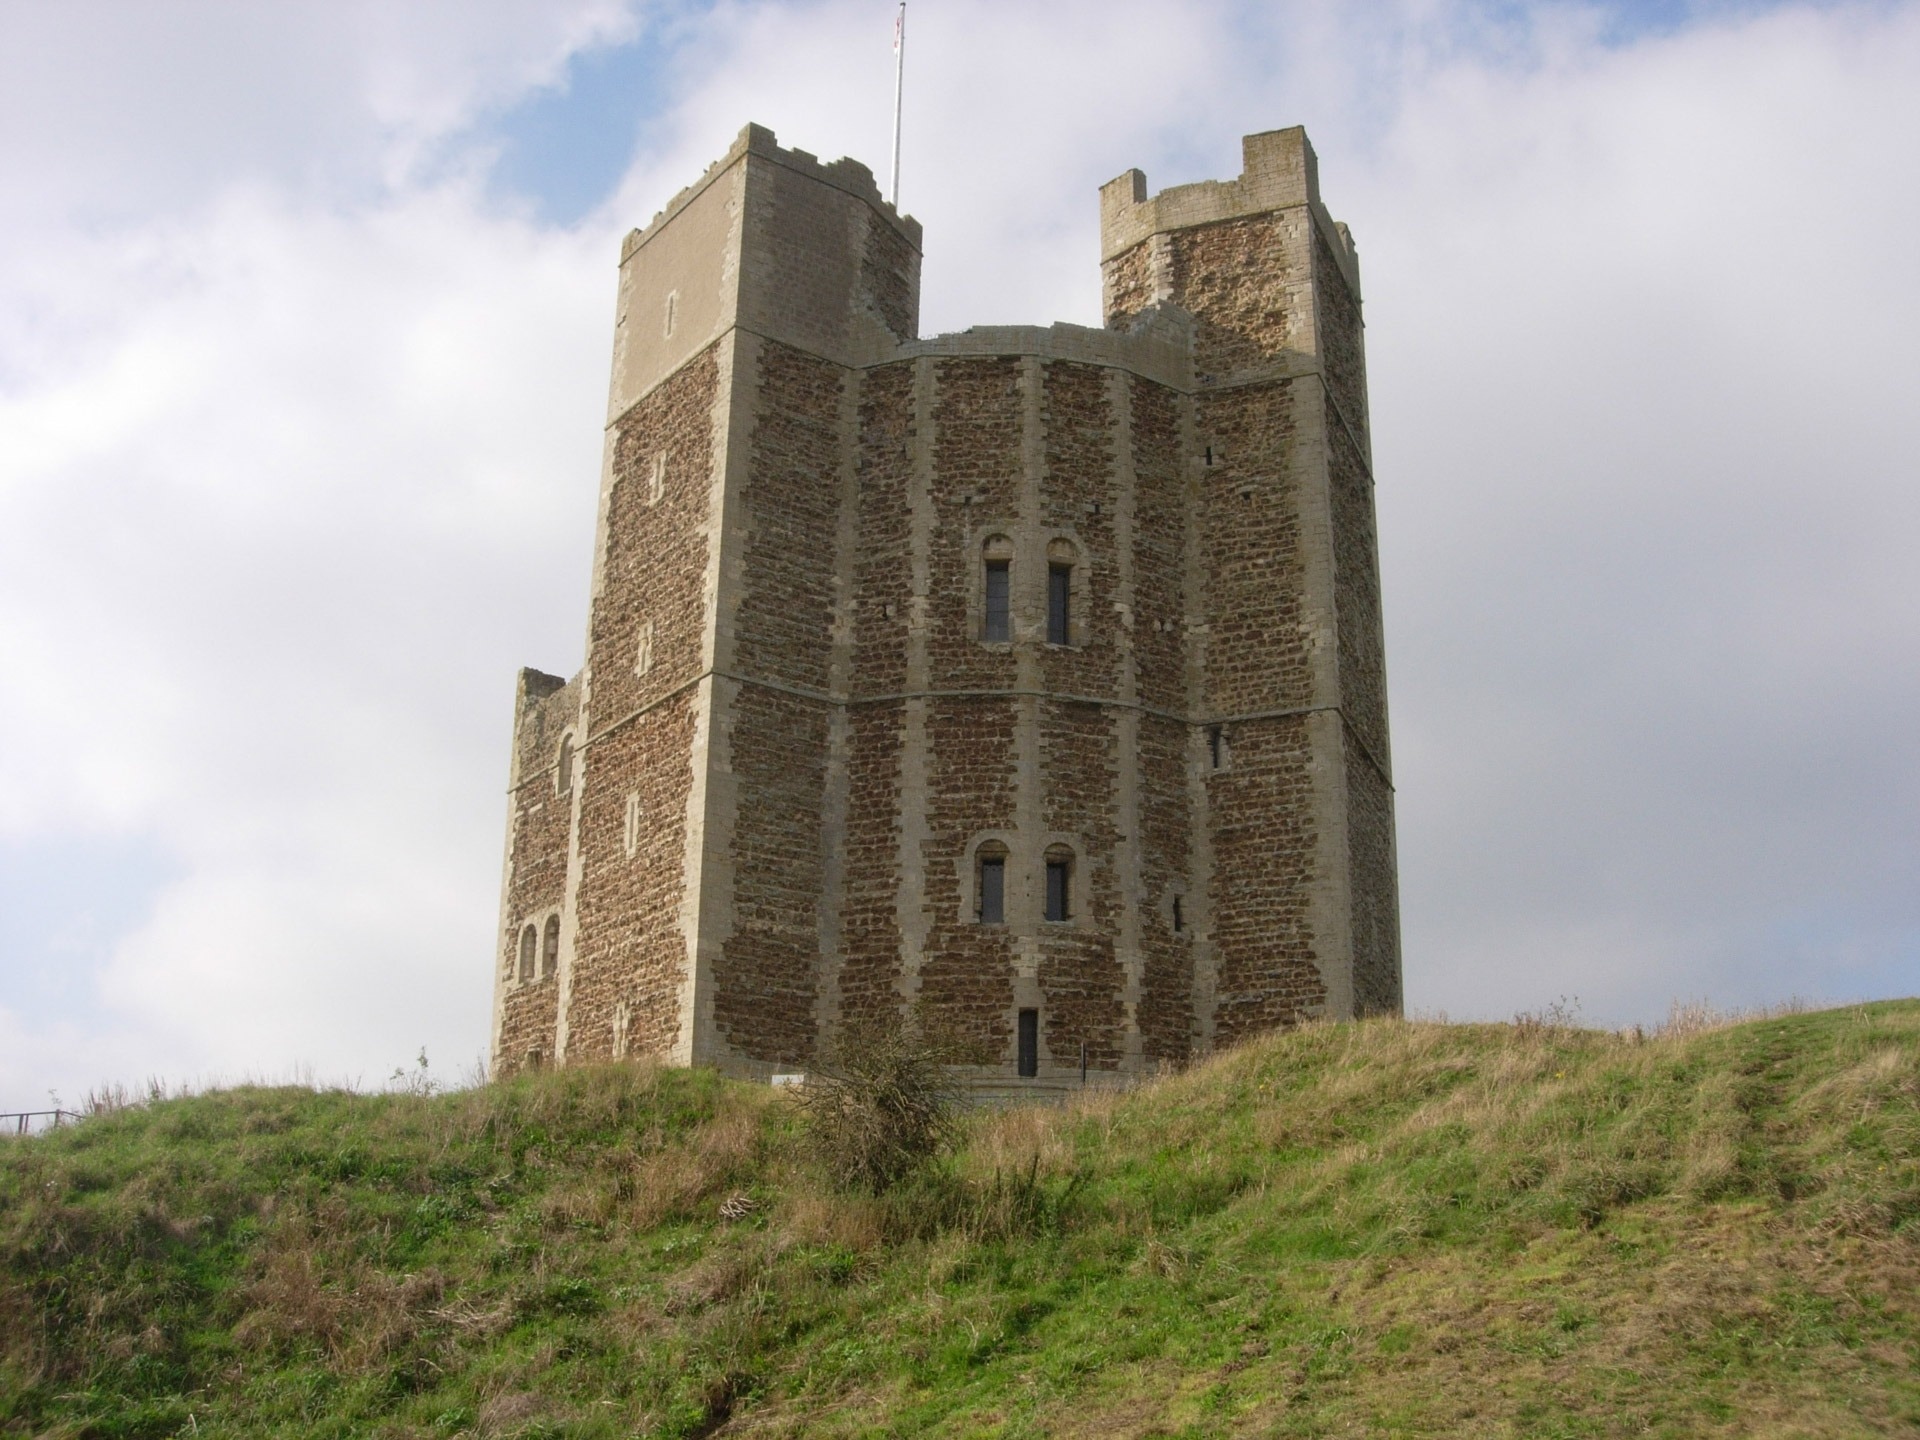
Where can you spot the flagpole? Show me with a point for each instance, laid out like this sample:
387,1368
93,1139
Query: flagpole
899,73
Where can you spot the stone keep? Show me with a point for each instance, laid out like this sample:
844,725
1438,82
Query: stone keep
885,628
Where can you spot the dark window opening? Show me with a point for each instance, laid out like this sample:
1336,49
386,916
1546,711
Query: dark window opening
1216,745
1059,889
993,890
550,954
999,624
1209,454
1029,1043
529,944
1179,918
564,767
1059,601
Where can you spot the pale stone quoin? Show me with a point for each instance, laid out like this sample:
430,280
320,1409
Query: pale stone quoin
1028,678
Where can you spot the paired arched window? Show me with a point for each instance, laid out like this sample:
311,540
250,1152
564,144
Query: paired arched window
529,950
996,590
990,884
550,949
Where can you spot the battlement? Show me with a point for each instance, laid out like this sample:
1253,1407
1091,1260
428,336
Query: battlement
845,174
1279,171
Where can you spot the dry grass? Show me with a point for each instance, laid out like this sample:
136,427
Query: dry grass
1410,1228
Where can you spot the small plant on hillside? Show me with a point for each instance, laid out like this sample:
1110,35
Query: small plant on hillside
881,1106
418,1081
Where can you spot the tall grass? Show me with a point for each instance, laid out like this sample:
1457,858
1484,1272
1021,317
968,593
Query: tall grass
1392,1227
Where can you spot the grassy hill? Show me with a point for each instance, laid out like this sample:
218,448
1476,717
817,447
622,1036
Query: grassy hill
1378,1229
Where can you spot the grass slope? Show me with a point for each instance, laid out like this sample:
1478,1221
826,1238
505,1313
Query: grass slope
1382,1229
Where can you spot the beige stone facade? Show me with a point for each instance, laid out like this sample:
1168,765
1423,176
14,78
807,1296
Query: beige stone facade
884,628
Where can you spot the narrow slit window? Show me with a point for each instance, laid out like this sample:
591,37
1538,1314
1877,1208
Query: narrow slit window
550,951
529,947
1029,1043
993,889
1179,916
999,619
1059,889
1216,747
563,767
1059,604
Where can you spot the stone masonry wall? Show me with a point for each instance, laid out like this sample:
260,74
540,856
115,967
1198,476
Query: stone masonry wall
765,976
630,953
1080,974
1356,580
1128,282
630,957
782,611
1376,888
1078,503
890,279
1161,522
975,493
654,561
870,970
538,819
1338,329
1166,1017
966,969
883,570
1236,277
1264,860
1257,644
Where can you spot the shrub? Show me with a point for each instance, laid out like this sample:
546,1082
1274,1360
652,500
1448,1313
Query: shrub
881,1106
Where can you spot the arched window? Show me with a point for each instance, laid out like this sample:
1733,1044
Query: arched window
643,661
550,951
996,616
657,479
563,767
990,889
1059,901
529,945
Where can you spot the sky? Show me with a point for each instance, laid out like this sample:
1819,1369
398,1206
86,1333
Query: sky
305,315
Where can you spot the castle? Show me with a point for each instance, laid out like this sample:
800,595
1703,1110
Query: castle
1029,679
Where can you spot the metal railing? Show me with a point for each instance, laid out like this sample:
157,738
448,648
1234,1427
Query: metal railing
23,1122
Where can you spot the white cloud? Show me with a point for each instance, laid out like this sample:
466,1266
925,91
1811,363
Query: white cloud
299,436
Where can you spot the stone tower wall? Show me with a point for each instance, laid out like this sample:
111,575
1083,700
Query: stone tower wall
793,739
1299,827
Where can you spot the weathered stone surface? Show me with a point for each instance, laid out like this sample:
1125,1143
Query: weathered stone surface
793,739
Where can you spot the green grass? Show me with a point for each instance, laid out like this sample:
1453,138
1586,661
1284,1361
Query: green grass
1384,1229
